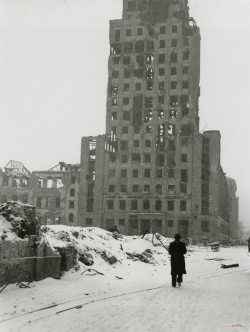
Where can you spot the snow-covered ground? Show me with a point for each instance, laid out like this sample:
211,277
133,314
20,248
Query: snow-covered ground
132,295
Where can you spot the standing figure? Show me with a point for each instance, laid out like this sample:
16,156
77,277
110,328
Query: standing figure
248,241
177,249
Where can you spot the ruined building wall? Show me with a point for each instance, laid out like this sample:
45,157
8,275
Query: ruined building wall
55,195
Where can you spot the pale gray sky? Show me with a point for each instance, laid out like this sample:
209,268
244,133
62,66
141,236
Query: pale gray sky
53,79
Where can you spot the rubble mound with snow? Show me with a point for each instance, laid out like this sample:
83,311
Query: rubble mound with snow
17,218
95,245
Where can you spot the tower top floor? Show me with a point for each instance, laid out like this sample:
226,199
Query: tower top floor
154,11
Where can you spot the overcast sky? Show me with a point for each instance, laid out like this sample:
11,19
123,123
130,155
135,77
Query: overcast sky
53,79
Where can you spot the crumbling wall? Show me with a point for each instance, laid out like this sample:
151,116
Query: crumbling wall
25,256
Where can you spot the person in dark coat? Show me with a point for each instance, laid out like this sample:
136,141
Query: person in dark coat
177,249
248,242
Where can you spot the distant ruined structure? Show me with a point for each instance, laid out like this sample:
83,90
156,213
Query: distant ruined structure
153,170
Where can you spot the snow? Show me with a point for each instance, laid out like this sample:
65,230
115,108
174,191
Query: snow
210,299
6,230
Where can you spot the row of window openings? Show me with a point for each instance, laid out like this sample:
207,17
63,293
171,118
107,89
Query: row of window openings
159,172
139,32
146,203
160,160
53,182
44,202
140,59
149,74
140,5
147,187
205,227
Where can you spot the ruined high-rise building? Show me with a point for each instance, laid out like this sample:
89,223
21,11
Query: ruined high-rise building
153,170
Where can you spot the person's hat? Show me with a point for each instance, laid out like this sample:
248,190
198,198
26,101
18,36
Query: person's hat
177,236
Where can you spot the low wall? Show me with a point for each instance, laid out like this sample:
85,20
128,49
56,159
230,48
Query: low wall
23,255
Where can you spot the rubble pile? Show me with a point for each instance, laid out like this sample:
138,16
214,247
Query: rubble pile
22,218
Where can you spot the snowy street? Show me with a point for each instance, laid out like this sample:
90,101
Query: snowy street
135,296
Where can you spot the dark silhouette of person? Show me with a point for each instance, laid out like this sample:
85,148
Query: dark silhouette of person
177,249
248,242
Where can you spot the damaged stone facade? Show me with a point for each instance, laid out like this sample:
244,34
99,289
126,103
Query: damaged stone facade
14,182
55,194
153,170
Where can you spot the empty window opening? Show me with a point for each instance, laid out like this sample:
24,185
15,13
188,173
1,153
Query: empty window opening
173,71
148,129
173,114
147,158
123,188
205,226
171,189
146,188
170,205
136,143
128,32
162,29
162,43
158,173
171,129
146,204
128,48
171,145
161,85
71,217
173,57
126,115
71,204
115,89
135,188
139,46
148,115
170,223
186,55
161,58
173,85
174,28
185,70
113,116
124,159
125,130
136,157
158,205
150,59
41,182
148,143
123,173
183,188
114,101
134,205
173,101
158,189
115,49
170,159
137,86
111,188
147,173
185,85
50,183
116,60
173,42
160,160
184,175
126,60
160,114
170,173
161,99
150,85
150,45
161,71
122,205
184,158
149,73
183,205
139,31
117,35
110,204
135,173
